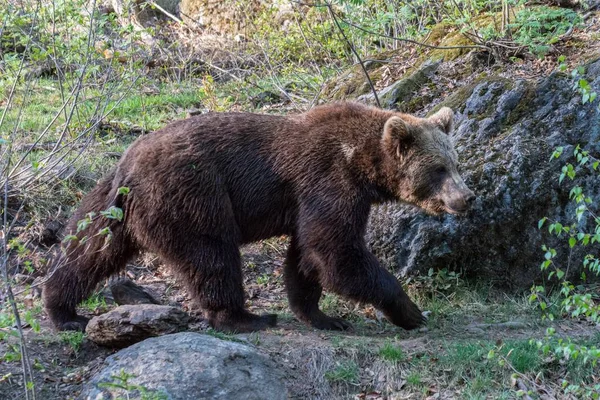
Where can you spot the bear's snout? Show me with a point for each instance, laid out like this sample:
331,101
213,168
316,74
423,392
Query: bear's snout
457,197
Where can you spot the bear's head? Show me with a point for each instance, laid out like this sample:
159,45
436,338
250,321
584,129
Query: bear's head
421,163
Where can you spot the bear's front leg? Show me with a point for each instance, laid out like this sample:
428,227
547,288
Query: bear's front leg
353,272
330,236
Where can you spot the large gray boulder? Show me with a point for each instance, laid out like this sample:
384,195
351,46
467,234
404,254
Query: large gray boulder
506,132
187,366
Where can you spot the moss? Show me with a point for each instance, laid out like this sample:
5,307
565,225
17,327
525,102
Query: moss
522,108
404,90
351,83
446,35
457,100
454,39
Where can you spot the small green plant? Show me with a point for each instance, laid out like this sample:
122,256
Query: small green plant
263,279
212,100
94,303
392,353
12,353
539,27
124,389
414,379
343,372
73,339
222,336
580,231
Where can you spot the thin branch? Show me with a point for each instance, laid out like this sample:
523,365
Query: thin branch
430,46
168,14
362,65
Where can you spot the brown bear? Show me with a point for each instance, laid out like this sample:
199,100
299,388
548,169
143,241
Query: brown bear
201,187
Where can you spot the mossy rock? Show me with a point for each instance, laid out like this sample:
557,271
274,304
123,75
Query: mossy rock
400,93
352,83
453,39
446,35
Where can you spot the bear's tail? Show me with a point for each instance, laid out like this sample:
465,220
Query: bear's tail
97,245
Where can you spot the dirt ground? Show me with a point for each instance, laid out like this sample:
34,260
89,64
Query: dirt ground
375,360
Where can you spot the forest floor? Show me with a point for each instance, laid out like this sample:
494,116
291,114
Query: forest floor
450,358
477,343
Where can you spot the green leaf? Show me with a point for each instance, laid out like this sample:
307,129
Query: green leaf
557,152
69,238
572,242
123,190
113,213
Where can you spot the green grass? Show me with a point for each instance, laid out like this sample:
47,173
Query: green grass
343,372
415,379
94,303
393,353
150,111
222,336
73,339
153,111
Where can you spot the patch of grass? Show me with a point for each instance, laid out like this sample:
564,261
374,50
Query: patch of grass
120,386
329,303
152,111
415,379
73,339
464,301
390,352
222,336
263,279
524,356
94,303
343,372
336,306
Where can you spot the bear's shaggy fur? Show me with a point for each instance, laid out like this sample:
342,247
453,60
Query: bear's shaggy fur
201,187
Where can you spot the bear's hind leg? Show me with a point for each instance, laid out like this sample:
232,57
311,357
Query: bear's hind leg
211,268
76,274
304,292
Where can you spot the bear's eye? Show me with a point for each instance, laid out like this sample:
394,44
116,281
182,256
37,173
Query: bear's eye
440,171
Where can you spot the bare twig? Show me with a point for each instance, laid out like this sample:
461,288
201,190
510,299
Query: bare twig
362,65
416,42
168,14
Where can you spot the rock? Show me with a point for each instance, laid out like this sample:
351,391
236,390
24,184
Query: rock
398,94
129,324
510,325
352,83
188,366
125,291
23,279
267,97
49,234
222,17
506,132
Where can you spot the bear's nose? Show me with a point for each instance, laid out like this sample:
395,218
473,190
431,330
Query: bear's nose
470,199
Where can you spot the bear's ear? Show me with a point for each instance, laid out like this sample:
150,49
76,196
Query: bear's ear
444,118
396,138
